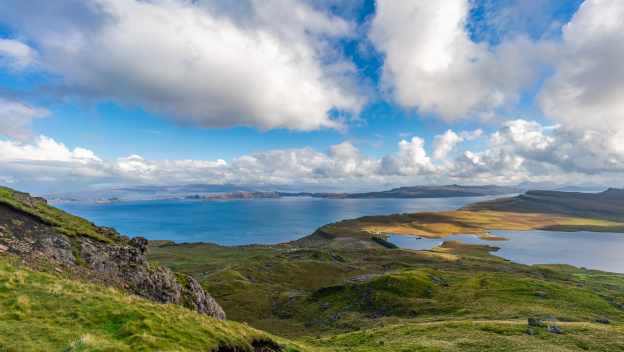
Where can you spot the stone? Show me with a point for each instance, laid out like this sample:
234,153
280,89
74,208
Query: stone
3,248
531,331
541,294
140,243
536,322
554,329
603,321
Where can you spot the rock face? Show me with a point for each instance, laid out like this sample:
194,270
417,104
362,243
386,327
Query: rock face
120,262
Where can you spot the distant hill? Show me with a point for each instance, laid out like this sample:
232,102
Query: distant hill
147,192
224,192
605,205
418,192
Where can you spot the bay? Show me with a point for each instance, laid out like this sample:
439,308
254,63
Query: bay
592,250
248,221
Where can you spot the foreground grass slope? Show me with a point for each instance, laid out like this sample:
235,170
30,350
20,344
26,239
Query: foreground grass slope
44,312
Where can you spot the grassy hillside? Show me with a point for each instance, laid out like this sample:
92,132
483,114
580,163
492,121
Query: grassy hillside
454,298
341,289
65,223
443,224
605,205
44,312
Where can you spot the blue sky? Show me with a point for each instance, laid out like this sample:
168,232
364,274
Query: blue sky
361,75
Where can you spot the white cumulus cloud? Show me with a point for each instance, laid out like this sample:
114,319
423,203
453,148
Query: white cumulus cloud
432,64
586,92
272,68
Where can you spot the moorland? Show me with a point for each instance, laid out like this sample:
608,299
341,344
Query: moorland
342,288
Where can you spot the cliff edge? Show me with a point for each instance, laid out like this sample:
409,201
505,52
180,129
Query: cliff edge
50,239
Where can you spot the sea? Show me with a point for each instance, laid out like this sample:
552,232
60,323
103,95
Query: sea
244,221
271,221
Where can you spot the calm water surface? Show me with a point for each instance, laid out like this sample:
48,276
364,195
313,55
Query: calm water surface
269,221
593,250
235,222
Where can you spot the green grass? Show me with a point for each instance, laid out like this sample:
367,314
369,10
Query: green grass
65,223
458,311
426,294
339,298
42,312
479,336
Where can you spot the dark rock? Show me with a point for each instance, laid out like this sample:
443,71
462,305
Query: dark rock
554,329
261,345
603,321
541,294
440,281
536,322
531,331
58,248
140,243
200,300
338,258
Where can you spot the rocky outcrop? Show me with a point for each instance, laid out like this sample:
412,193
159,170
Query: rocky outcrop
120,262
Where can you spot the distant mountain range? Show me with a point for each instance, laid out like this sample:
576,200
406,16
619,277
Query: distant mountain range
418,192
228,191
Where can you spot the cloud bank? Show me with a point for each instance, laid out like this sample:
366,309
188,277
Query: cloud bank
520,151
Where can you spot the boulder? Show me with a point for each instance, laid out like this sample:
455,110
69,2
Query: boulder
554,329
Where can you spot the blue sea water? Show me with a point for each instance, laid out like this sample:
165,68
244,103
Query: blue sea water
237,222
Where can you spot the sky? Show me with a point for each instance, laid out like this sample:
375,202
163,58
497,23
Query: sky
310,95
